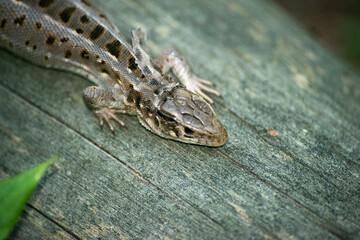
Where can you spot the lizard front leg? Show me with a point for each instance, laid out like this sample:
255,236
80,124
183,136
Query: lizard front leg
104,106
173,59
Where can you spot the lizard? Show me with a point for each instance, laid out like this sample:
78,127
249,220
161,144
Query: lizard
74,35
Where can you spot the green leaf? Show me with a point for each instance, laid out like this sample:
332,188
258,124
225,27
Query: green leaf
15,192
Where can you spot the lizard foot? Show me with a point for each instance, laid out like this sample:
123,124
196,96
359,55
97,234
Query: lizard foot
107,114
198,86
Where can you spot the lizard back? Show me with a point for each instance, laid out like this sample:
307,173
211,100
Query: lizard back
72,35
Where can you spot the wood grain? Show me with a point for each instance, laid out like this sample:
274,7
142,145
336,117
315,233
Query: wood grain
302,184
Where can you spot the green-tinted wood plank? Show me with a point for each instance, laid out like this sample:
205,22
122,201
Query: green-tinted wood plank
88,192
198,177
272,75
282,81
34,226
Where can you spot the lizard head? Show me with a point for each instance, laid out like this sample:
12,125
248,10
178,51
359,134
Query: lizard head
186,117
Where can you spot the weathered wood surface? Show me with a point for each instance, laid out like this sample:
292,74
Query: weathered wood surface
305,184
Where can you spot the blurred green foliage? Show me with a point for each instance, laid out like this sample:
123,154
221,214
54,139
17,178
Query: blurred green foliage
15,192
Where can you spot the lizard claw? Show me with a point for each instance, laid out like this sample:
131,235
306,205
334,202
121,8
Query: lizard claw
197,86
107,114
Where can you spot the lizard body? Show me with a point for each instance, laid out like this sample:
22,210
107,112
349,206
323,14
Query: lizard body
76,36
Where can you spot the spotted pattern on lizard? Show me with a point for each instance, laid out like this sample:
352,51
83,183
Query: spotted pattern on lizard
76,36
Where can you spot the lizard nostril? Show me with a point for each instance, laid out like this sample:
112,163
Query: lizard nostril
156,121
